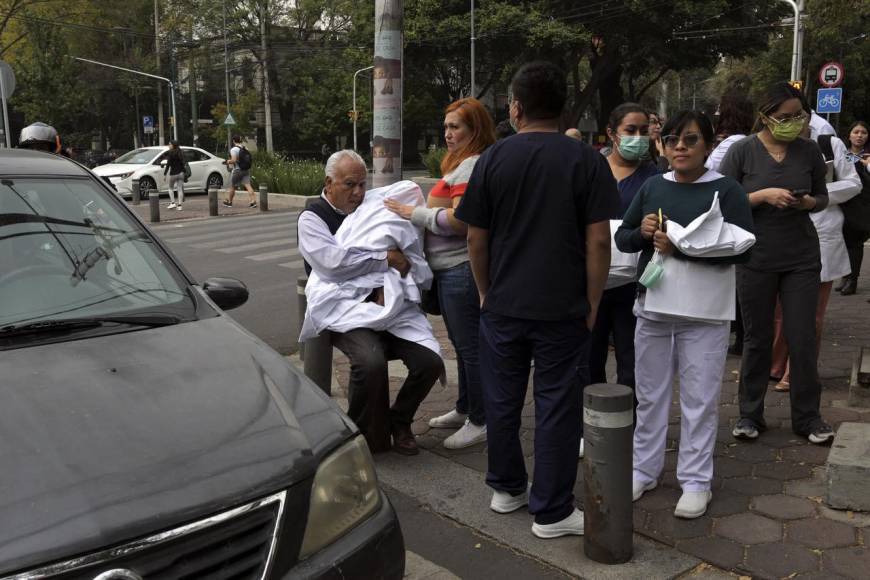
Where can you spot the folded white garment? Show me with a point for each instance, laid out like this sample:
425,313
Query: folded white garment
709,235
623,267
341,307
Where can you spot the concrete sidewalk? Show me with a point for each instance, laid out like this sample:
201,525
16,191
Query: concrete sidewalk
767,518
196,207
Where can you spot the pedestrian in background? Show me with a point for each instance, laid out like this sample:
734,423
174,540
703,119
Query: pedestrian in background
856,228
656,150
628,130
175,168
784,176
686,336
468,131
538,207
844,186
240,161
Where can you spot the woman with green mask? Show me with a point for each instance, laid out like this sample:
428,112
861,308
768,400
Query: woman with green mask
784,175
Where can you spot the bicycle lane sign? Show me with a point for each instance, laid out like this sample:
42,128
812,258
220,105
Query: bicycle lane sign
829,101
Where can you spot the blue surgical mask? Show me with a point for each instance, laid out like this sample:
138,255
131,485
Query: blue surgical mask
633,147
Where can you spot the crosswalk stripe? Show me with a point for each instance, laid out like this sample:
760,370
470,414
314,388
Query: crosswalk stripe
211,223
292,253
257,246
293,265
288,234
228,234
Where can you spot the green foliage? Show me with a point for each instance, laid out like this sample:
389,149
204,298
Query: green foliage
283,175
432,160
242,110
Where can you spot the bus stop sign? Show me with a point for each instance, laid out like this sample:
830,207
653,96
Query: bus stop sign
831,74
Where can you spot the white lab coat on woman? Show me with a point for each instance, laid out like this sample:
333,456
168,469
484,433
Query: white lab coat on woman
829,221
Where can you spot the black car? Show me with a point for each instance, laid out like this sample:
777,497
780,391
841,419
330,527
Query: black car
145,434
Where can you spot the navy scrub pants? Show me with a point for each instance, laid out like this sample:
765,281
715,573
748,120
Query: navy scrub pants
560,351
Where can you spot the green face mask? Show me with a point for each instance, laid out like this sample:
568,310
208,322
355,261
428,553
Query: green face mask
633,147
786,131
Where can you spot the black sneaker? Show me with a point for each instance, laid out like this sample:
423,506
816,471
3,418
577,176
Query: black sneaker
252,204
227,203
745,429
821,434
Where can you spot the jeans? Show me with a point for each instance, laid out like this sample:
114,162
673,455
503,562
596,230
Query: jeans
560,350
176,183
460,307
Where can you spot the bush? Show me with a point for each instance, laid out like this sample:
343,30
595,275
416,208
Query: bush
432,160
282,175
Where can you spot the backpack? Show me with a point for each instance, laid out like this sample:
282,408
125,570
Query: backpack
244,160
856,211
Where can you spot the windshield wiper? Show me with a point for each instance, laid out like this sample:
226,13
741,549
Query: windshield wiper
8,219
65,324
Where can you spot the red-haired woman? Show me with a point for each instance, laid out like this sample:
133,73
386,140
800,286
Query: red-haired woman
468,130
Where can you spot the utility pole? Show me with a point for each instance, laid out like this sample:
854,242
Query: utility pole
267,99
473,85
160,129
227,76
387,102
798,7
355,112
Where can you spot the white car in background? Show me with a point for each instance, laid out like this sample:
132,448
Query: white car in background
147,164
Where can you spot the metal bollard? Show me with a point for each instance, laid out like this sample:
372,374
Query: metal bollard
264,198
212,202
137,193
608,426
154,202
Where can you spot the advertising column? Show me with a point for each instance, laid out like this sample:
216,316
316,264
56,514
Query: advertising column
387,114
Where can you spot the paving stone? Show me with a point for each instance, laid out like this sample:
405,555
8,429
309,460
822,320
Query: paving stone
825,575
639,518
780,438
784,507
807,453
726,467
753,485
820,533
660,498
671,461
783,470
809,488
728,412
752,453
849,468
747,528
857,519
476,461
848,562
777,411
836,415
662,525
717,551
420,427
669,479
780,560
726,503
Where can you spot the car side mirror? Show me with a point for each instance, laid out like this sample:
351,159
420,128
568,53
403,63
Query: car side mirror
227,293
161,162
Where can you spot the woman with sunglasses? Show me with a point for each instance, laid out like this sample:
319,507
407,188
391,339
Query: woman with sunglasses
784,176
688,336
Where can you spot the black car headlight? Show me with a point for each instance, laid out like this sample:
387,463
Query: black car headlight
344,493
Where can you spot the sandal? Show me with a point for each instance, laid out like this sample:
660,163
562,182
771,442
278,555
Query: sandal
782,387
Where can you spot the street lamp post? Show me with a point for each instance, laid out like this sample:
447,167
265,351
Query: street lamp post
355,112
144,74
797,6
473,87
227,74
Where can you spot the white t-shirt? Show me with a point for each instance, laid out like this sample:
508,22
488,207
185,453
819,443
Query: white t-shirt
234,154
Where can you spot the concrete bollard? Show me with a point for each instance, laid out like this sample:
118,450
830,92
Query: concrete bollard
212,202
264,198
137,193
316,353
608,426
154,203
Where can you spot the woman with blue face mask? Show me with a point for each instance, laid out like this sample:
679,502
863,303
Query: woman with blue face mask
628,130
784,177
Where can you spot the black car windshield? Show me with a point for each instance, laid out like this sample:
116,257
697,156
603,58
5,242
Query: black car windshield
137,157
68,252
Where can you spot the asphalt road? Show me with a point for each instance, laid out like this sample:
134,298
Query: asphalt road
261,251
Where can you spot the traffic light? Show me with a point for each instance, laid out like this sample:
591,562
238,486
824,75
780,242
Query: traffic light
799,85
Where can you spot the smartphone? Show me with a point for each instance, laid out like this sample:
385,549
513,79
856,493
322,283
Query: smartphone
799,192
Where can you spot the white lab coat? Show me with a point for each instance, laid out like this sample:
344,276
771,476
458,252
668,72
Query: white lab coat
829,221
342,306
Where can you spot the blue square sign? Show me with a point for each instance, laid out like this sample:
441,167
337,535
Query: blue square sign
829,101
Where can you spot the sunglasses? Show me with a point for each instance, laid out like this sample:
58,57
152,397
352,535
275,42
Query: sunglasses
689,140
801,117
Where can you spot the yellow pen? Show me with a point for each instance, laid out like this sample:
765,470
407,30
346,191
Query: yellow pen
660,218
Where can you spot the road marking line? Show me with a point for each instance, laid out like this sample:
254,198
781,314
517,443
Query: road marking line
274,255
211,222
227,233
293,265
257,246
289,234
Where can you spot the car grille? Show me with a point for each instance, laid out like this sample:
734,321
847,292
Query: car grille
235,545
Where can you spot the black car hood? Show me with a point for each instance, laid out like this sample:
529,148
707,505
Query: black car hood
116,437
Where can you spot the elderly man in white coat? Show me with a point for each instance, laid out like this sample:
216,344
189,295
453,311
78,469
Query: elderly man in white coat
369,350
843,186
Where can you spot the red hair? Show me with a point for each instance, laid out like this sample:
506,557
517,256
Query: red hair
479,121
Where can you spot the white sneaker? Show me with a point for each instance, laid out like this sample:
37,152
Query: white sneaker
470,434
452,420
171,206
581,448
693,504
571,526
178,207
638,488
505,503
